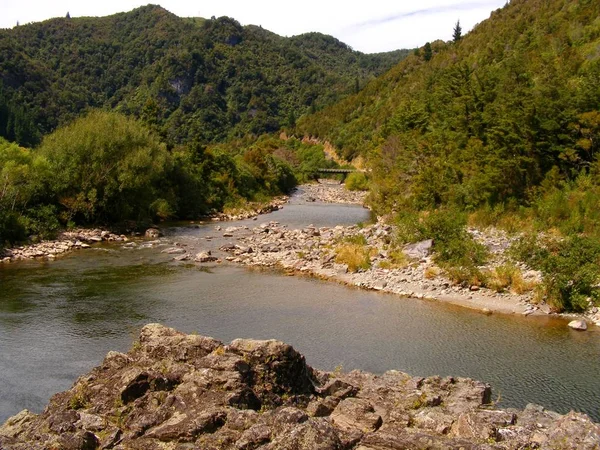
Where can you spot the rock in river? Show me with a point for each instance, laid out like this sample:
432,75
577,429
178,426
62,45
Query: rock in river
579,325
177,391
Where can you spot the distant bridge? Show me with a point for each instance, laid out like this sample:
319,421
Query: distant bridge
345,171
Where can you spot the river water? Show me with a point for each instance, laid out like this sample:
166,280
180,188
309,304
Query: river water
58,320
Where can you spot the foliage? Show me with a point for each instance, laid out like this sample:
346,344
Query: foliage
457,32
105,166
355,256
570,269
503,126
190,80
452,244
482,122
357,181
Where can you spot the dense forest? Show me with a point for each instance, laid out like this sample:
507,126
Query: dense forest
143,116
498,127
188,79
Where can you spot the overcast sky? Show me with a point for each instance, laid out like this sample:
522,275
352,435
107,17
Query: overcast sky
368,25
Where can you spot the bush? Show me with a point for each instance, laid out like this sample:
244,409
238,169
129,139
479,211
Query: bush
105,167
453,245
355,256
571,274
42,221
570,269
357,181
12,228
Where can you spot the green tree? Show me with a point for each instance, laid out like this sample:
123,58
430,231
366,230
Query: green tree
427,52
105,167
457,34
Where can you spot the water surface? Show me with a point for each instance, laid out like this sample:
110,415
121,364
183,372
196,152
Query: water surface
58,319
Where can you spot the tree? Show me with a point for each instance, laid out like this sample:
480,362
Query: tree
105,167
68,15
427,52
457,35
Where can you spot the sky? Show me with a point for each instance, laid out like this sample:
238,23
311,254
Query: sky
369,25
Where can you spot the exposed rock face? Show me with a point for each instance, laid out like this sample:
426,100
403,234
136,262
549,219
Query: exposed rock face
177,391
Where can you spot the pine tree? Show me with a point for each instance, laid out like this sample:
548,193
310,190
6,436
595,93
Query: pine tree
292,119
427,52
457,35
68,15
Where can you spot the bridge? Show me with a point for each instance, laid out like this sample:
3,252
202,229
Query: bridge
344,171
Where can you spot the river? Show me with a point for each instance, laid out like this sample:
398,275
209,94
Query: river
58,319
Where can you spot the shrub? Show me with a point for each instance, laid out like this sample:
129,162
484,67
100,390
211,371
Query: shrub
453,245
507,277
355,256
571,274
12,228
570,270
105,167
357,181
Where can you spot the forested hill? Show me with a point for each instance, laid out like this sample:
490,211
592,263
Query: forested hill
483,120
189,79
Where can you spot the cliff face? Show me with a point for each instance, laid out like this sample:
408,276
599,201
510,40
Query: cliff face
177,391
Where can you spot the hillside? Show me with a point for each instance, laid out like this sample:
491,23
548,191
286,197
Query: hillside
189,79
484,120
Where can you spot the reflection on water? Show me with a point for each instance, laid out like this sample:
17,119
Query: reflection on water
57,320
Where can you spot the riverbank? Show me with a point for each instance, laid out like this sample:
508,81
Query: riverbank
181,391
315,252
66,242
84,238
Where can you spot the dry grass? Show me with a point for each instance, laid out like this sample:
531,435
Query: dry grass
355,256
432,272
396,259
508,278
465,276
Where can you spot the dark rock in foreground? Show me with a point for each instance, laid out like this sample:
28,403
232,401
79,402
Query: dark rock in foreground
177,391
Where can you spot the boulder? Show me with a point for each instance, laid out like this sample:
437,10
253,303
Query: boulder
153,233
204,257
579,325
419,250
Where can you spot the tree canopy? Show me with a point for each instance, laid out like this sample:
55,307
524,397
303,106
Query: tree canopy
189,79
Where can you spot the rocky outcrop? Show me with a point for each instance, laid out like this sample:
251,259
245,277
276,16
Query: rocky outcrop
177,391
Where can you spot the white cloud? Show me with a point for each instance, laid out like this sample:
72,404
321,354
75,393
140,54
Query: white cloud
376,25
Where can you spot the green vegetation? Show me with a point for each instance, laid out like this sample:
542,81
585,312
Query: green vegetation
189,80
357,181
500,127
570,268
107,168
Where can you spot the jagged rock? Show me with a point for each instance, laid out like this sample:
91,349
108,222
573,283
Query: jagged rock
182,391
